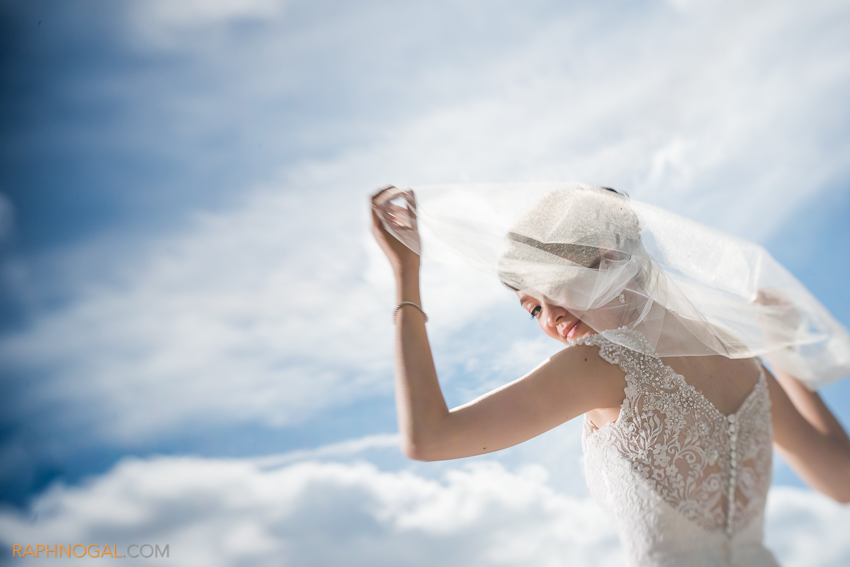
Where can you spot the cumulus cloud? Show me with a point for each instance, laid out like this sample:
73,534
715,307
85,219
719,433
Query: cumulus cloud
215,512
230,512
806,528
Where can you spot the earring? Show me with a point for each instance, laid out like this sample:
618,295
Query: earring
622,298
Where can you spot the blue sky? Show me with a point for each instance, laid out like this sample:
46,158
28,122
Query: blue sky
188,282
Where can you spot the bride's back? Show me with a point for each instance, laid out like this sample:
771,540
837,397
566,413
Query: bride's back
724,382
685,466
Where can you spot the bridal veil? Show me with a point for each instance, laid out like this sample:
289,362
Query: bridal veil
616,262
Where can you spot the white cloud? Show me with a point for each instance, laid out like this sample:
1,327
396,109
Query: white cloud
341,449
805,528
228,512
166,24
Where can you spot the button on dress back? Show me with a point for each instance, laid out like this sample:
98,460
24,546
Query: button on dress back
686,484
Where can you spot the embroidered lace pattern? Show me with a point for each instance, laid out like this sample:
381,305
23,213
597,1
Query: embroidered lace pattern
712,469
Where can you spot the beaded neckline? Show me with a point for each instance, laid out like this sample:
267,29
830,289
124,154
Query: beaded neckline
637,342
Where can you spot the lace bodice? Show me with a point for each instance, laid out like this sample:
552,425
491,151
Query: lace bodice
685,483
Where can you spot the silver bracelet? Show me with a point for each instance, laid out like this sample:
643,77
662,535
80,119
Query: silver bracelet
403,303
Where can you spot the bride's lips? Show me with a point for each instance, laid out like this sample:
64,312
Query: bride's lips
571,329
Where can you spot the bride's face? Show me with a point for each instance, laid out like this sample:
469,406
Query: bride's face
555,321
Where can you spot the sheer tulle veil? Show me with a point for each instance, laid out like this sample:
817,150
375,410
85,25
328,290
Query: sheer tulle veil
616,262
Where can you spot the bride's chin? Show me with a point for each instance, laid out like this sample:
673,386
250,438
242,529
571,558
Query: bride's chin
581,331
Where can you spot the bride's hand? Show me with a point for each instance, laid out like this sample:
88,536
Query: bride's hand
394,227
778,316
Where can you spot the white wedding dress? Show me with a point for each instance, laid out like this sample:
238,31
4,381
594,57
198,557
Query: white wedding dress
685,484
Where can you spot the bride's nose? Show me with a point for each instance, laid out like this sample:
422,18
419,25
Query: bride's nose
552,314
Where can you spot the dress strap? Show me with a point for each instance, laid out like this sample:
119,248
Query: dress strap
628,350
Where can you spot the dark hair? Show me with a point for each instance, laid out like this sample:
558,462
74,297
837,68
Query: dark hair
624,194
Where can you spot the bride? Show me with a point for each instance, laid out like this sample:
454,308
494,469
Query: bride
667,326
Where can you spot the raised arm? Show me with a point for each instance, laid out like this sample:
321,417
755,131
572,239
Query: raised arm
570,383
805,432
809,437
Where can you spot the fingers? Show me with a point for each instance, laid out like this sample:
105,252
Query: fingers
376,197
379,209
769,296
411,199
394,224
386,195
396,207
376,221
381,215
390,192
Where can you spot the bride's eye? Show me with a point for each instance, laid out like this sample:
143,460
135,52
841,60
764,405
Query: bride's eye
535,312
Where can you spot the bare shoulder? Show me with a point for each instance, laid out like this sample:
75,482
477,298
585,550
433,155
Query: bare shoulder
586,360
597,383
